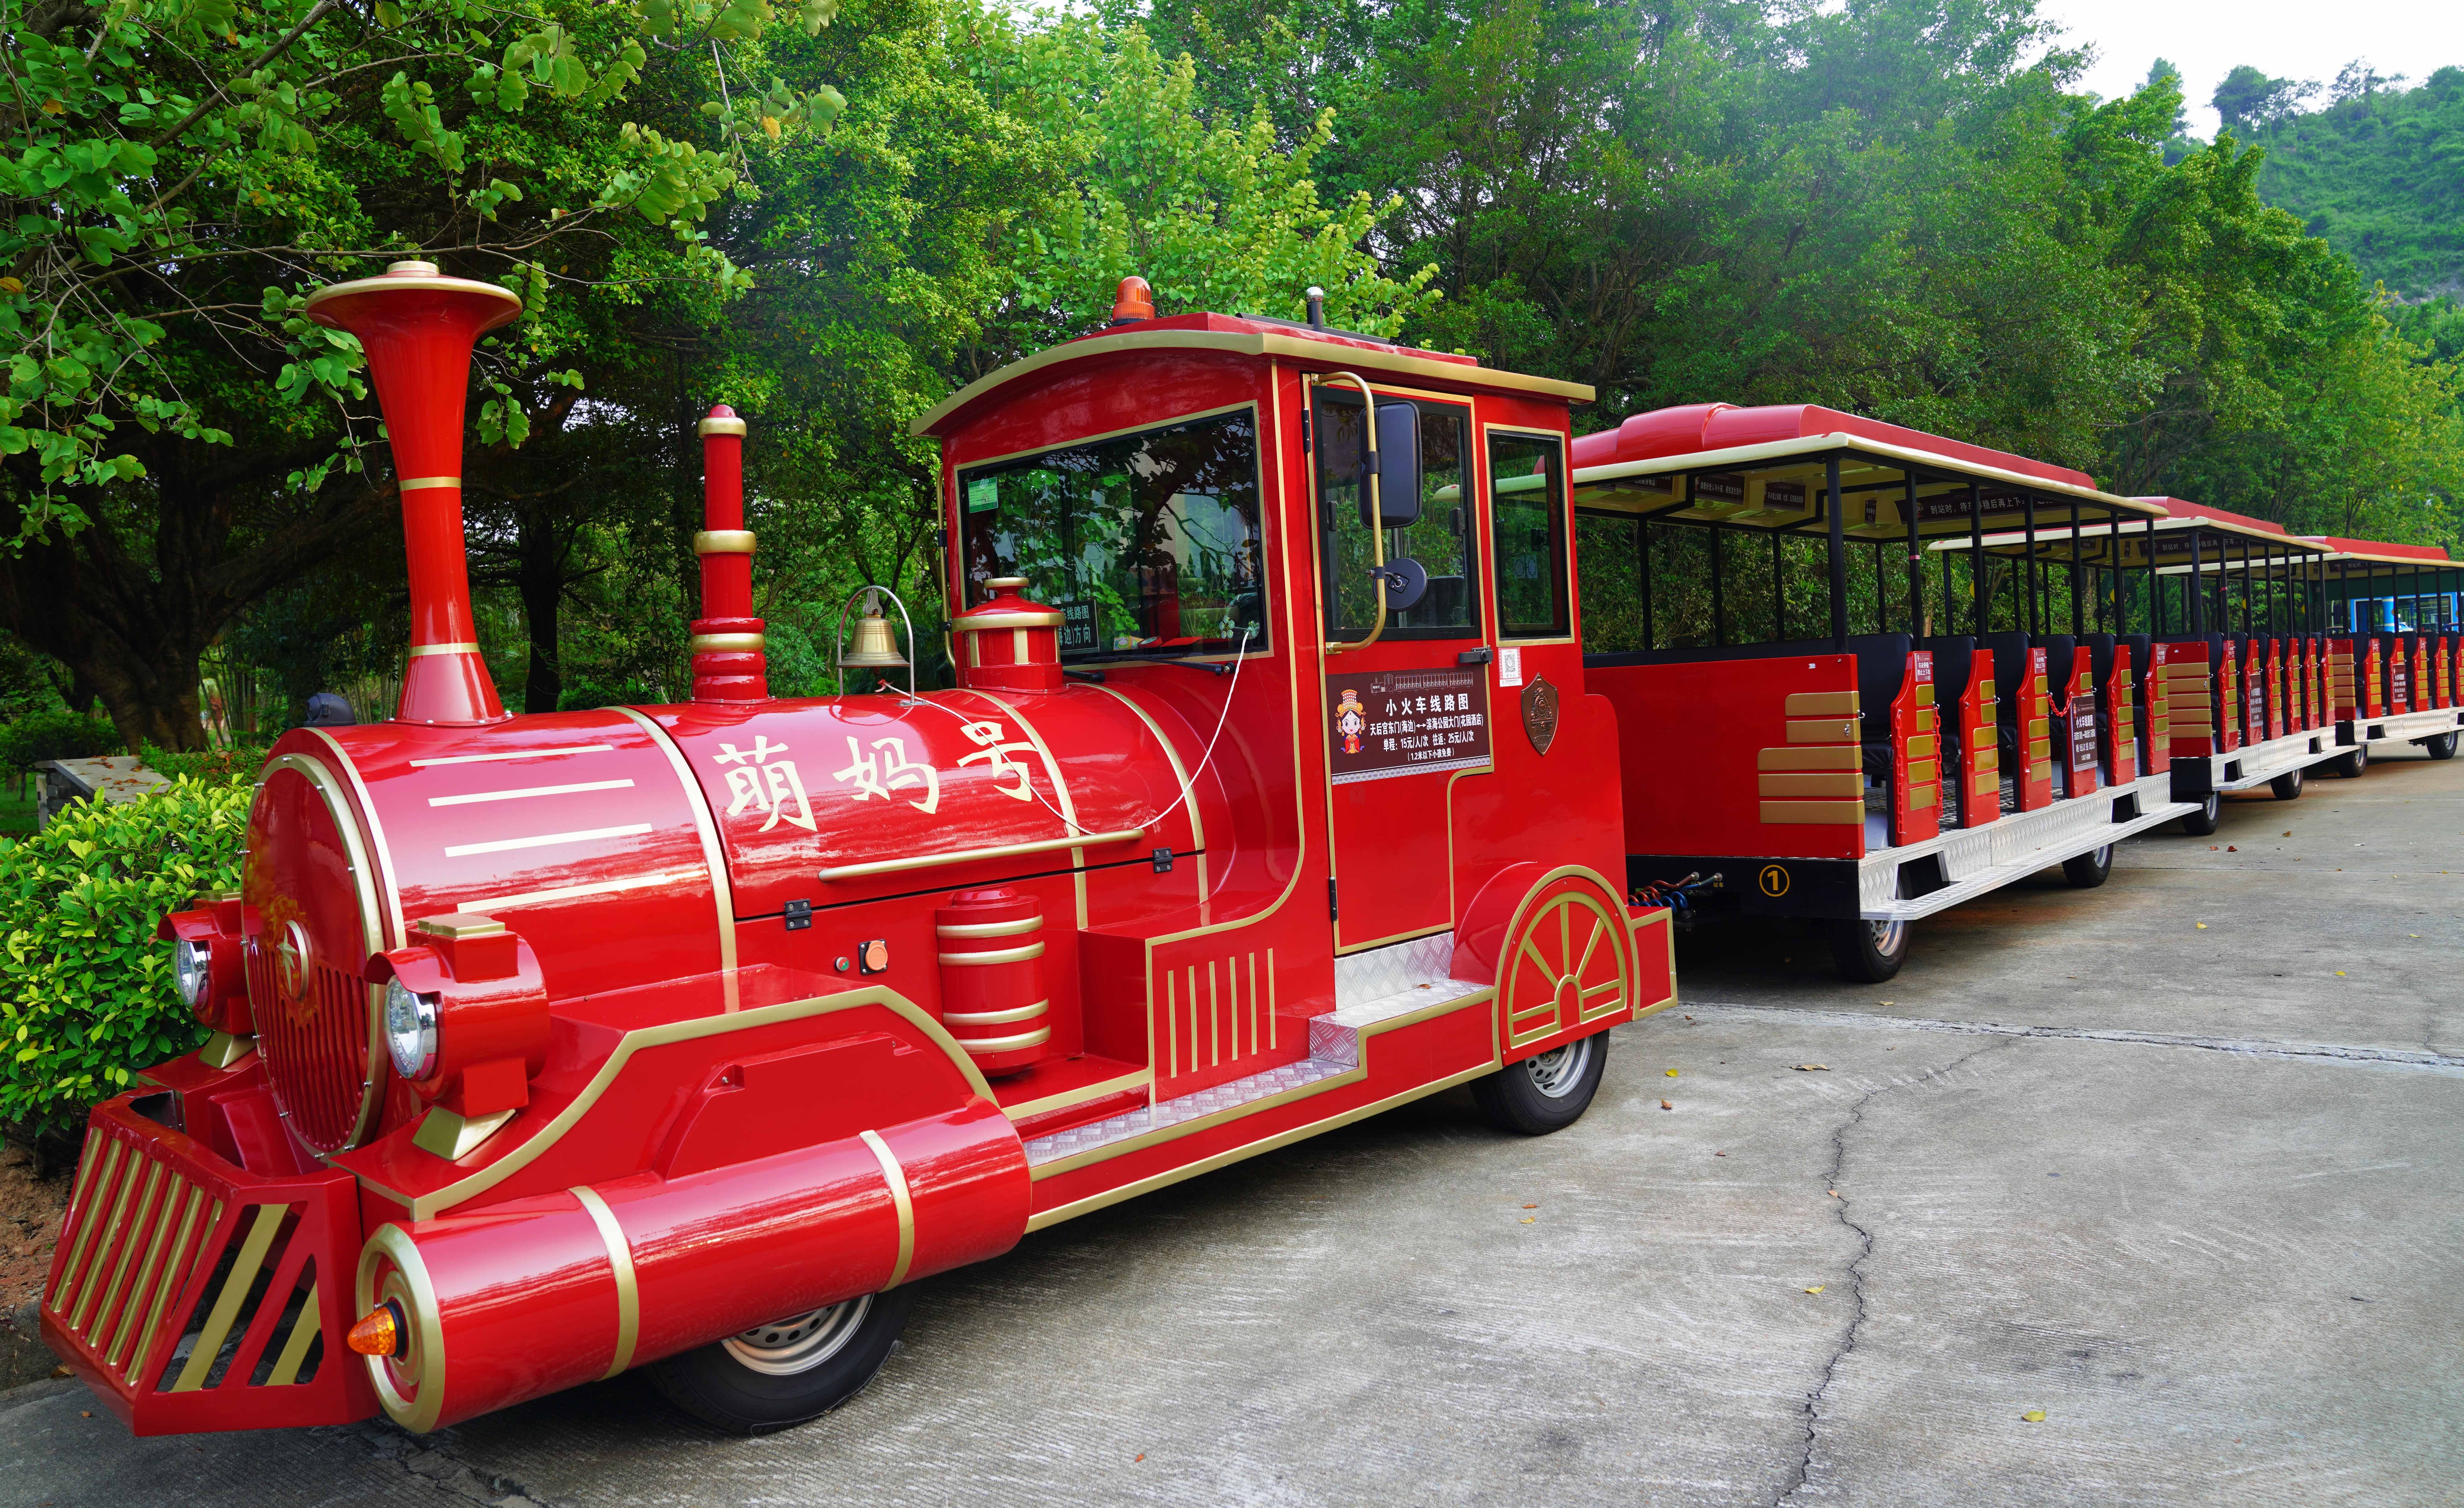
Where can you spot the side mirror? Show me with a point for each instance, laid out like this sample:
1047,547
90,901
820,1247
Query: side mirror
1399,467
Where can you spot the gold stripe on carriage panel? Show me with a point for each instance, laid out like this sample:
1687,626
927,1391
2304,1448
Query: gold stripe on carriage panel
1924,746
1818,812
1928,720
1835,757
1923,771
1924,693
227,1303
1989,760
1985,690
295,1350
1822,730
1845,783
1920,801
1823,704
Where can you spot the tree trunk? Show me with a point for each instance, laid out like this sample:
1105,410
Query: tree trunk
540,576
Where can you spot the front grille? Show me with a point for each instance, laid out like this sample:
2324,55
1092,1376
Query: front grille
198,1295
316,1060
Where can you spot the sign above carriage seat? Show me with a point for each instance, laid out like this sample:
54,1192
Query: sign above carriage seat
1386,723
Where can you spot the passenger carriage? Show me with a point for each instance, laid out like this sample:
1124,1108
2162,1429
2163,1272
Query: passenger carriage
1860,736
2396,655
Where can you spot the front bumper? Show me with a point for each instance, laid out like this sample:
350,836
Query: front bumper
193,1294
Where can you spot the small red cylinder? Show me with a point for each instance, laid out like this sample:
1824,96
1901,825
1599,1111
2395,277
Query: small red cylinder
993,999
730,661
1009,644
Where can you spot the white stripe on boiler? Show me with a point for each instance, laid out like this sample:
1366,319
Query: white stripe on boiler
547,840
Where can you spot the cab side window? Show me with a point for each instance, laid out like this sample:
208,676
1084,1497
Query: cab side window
1441,538
1527,491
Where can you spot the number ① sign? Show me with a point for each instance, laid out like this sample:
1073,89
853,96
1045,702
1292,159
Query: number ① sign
1773,880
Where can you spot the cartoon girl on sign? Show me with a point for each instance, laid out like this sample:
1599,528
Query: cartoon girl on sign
1352,720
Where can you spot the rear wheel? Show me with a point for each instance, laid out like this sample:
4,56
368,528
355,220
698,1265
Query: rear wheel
1547,1091
790,1370
2441,746
1868,952
2287,786
2202,821
2089,871
2352,762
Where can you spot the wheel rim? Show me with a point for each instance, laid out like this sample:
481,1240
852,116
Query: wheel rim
1559,1071
1889,937
2215,806
2104,856
801,1343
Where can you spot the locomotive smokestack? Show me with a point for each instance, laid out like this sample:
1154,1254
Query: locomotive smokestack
417,328
729,664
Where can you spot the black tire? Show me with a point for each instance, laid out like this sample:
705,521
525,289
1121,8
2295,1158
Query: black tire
2352,762
2088,870
764,1380
1868,952
2202,821
2440,747
2287,786
1544,1093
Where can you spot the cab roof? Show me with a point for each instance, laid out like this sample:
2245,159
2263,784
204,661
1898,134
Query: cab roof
1258,337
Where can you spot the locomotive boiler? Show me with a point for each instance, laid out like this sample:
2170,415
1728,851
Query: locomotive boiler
691,1037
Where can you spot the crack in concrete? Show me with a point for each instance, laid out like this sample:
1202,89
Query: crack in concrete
2314,1052
429,1458
1812,1408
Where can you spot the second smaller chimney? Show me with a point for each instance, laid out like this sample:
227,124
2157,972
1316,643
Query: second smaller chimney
729,662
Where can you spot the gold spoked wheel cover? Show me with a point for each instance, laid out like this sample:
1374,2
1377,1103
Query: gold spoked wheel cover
1571,962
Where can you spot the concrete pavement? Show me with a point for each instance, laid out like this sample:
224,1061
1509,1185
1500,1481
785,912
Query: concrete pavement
2193,1193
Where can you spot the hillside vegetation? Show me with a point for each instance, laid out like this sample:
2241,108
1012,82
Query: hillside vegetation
2378,175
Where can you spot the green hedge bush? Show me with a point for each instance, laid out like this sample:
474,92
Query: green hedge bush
85,991
56,735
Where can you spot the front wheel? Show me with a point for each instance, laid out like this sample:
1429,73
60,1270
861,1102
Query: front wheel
2441,746
2352,762
2089,871
1547,1091
1868,952
2202,821
787,1371
2287,786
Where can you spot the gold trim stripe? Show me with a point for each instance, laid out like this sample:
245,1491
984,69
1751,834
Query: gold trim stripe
726,644
425,484
1823,704
998,956
174,1273
1023,925
1079,1095
992,623
1023,1013
1007,1044
94,1192
416,650
295,1350
721,424
901,1199
235,1288
620,1266
713,859
723,541
115,1239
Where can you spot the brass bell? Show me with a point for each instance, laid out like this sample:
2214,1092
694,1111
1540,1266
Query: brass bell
876,647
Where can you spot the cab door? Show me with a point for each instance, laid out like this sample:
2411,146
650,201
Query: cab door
1406,716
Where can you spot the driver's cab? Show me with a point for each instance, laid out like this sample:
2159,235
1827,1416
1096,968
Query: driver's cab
1340,573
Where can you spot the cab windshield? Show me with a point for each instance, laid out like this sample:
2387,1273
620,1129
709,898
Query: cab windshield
1147,543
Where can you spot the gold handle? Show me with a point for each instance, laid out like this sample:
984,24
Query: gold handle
1376,511
857,871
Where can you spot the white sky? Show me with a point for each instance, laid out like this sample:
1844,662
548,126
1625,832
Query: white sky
2204,39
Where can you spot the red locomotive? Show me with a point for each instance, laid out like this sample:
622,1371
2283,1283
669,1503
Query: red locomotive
688,1037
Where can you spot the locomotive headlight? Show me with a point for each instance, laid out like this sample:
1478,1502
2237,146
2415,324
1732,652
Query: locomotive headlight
190,963
410,1030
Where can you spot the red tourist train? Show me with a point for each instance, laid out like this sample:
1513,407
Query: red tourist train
1312,750
690,1037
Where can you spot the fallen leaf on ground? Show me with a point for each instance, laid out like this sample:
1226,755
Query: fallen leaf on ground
1818,1287
2340,974
1142,1455
2231,849
2203,926
2034,1416
1672,1073
1814,1068
1832,1193
1665,1105
1527,1219
1532,1207
1718,1154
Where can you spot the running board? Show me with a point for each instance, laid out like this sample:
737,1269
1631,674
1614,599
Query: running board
1337,1042
1977,861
